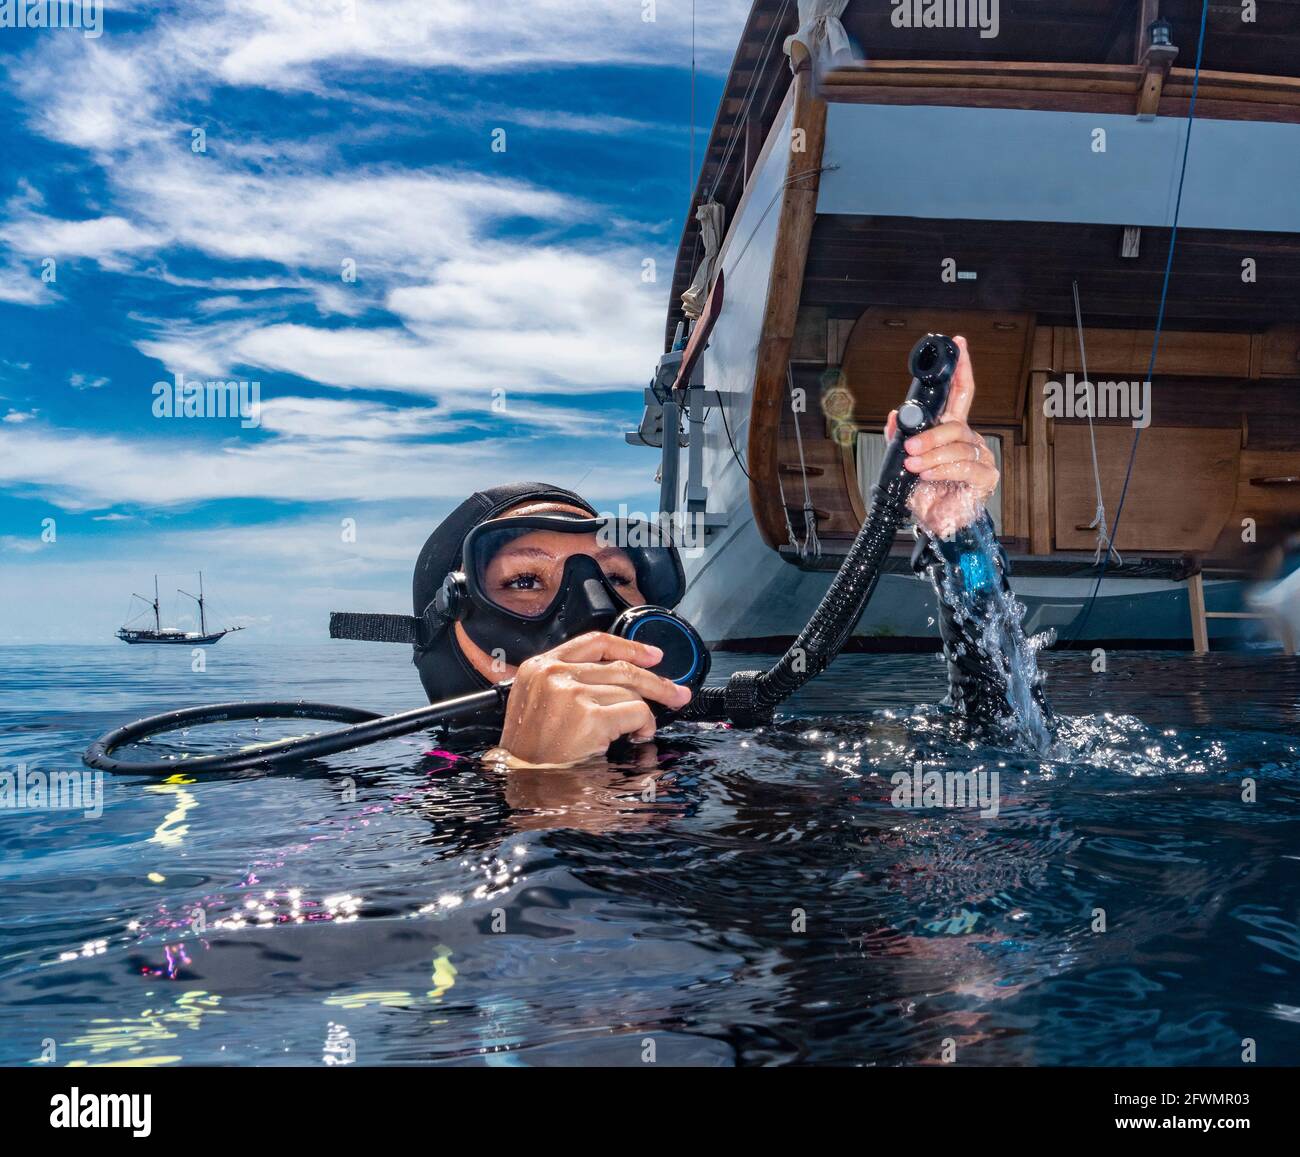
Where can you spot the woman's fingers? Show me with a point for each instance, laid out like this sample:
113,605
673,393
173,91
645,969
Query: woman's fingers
599,647
958,451
984,478
891,424
644,683
949,430
962,392
633,719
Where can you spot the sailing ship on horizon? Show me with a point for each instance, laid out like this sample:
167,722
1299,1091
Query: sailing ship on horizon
163,635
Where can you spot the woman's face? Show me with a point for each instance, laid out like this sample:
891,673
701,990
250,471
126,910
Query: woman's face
525,574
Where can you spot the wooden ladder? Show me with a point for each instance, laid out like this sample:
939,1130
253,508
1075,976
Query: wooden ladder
1201,617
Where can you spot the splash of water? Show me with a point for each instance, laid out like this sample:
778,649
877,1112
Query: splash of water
993,621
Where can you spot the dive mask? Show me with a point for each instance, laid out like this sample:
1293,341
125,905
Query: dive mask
529,583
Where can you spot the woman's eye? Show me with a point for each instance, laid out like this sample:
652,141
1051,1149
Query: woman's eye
618,580
522,582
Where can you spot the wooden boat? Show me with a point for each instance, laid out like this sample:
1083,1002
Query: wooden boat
160,635
870,183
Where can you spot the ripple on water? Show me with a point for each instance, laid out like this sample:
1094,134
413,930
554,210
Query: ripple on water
728,897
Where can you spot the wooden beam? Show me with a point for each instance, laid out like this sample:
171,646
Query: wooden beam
1155,59
1183,353
1147,13
1196,604
794,231
1040,467
1099,88
753,146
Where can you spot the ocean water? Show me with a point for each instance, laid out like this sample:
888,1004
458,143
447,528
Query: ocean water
721,897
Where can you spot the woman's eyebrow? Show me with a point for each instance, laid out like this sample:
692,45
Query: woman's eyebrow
529,551
540,552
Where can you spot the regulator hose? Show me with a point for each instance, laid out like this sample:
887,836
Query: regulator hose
367,727
747,699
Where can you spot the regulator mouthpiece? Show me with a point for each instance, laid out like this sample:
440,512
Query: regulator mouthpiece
686,658
932,362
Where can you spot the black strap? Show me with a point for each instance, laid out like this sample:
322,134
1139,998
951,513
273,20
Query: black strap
373,628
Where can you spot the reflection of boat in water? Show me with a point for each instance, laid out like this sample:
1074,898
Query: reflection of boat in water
965,184
160,634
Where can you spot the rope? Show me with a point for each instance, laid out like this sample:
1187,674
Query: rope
1160,316
747,101
1098,522
811,543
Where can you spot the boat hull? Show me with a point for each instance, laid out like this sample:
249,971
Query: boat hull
174,640
750,598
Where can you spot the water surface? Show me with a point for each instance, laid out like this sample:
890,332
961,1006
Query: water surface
722,898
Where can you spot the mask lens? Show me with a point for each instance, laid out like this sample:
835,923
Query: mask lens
520,569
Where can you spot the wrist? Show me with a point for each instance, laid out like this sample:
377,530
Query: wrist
503,759
972,557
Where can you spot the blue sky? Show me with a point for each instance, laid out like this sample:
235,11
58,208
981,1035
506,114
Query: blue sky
353,130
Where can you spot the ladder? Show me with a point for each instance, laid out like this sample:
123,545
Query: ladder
1201,617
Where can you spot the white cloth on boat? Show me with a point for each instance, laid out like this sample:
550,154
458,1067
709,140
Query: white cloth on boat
821,40
711,217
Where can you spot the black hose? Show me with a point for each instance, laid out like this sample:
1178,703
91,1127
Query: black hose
367,727
750,696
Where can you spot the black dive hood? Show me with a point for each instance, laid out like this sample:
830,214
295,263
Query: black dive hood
748,698
455,589
445,672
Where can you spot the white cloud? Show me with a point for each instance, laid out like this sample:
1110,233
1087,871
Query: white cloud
100,94
390,222
83,471
100,239
19,286
288,43
116,92
345,419
87,382
527,320
12,544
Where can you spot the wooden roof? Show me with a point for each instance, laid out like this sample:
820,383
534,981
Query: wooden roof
1059,31
856,262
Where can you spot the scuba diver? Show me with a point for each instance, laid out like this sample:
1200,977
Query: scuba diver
534,615
522,581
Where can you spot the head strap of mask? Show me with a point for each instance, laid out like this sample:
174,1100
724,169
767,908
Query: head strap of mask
444,671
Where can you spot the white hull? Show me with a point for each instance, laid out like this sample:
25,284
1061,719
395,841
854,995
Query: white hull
748,596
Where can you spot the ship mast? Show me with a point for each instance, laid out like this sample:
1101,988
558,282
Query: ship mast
203,618
157,619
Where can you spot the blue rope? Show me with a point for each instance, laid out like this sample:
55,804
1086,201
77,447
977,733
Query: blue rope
1160,318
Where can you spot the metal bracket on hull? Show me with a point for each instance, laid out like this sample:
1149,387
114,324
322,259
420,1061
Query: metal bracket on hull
692,401
664,408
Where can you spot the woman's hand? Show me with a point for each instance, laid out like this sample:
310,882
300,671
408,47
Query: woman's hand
576,699
956,467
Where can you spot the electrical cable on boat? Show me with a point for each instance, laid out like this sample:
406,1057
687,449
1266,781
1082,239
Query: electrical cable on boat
1160,316
722,410
748,698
